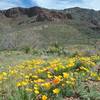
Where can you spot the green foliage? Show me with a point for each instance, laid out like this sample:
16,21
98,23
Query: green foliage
27,49
86,92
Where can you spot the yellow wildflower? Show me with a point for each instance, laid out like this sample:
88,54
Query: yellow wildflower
63,85
65,75
56,91
56,80
44,97
72,79
93,74
28,90
1,77
36,91
4,74
24,83
38,80
26,76
18,84
47,85
50,76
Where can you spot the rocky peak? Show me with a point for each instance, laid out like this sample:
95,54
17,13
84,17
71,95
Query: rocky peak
40,14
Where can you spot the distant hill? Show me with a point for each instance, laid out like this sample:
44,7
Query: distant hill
39,27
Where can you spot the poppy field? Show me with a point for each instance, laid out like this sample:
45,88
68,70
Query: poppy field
58,78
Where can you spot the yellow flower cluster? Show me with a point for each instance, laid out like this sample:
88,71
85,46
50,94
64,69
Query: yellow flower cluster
44,77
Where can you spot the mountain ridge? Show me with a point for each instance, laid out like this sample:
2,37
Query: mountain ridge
37,9
40,27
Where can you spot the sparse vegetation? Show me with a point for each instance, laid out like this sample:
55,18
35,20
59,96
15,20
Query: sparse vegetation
77,28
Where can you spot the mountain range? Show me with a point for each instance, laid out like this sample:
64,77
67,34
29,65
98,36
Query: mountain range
38,27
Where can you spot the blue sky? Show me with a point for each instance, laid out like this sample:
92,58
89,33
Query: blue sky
52,4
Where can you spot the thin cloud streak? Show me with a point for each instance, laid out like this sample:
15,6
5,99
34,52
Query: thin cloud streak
52,4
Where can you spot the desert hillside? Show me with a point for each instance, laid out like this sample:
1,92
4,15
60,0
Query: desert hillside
39,27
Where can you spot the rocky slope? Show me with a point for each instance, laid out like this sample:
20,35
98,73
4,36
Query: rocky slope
40,27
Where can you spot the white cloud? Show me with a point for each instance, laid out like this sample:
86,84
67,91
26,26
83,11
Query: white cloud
93,4
53,4
6,5
61,4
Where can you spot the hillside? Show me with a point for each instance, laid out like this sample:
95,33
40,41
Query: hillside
39,27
